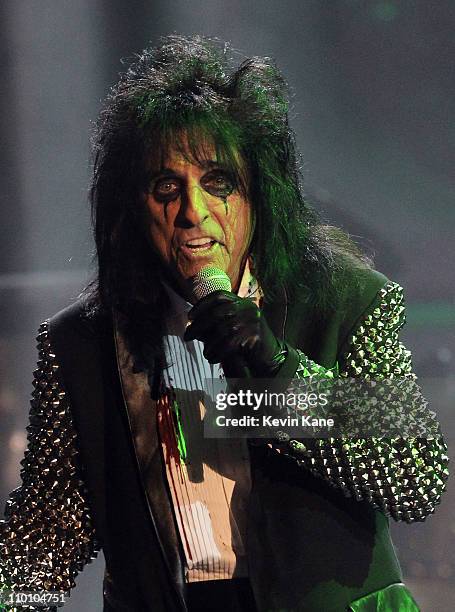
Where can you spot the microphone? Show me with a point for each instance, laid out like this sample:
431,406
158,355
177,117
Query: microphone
206,281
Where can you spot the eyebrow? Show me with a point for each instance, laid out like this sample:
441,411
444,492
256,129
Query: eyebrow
206,164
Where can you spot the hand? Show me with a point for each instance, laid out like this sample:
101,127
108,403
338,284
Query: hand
233,328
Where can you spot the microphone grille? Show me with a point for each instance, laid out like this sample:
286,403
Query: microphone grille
208,280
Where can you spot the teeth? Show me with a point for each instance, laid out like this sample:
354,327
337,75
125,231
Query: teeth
198,242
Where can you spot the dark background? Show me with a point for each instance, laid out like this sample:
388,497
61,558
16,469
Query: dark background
373,110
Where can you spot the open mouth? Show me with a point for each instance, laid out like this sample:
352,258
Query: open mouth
199,243
199,246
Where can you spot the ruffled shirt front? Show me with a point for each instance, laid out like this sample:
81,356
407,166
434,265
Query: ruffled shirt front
210,488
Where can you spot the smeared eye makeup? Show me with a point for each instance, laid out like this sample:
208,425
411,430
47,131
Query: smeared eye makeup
167,185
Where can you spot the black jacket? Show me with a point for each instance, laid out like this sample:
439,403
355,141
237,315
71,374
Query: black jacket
318,533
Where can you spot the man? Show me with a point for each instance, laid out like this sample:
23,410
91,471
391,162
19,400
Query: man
195,167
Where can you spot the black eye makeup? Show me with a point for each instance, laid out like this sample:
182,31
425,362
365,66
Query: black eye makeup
166,189
217,182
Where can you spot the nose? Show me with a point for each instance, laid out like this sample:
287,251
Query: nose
194,209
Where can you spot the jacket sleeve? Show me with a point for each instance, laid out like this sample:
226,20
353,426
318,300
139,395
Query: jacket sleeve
48,534
404,474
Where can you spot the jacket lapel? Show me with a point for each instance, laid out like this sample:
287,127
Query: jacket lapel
141,415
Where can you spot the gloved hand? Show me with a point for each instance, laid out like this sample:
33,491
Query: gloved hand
233,328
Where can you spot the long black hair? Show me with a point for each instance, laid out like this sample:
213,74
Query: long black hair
190,86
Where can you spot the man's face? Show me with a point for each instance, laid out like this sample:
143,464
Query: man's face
198,218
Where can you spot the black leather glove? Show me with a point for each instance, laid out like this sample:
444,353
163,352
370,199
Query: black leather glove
233,328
